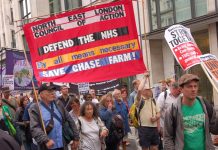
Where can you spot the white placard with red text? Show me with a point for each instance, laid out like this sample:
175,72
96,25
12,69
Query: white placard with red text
183,46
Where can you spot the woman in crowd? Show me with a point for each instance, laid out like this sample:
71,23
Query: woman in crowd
20,125
124,95
92,129
107,113
75,109
106,109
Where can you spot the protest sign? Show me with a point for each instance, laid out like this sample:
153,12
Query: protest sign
83,88
8,81
86,45
17,66
183,46
211,64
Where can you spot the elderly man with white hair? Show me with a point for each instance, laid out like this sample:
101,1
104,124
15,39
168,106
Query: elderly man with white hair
149,116
122,110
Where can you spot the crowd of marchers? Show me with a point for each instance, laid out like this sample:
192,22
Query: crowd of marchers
176,118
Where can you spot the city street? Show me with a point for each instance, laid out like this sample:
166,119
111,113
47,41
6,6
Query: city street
133,142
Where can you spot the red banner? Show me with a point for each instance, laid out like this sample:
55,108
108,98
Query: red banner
86,45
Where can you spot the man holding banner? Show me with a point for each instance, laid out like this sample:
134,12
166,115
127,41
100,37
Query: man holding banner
189,122
54,117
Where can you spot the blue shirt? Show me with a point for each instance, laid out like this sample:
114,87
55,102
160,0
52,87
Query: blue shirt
122,110
56,132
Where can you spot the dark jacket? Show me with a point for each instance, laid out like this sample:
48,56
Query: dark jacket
36,125
122,110
7,142
66,103
178,133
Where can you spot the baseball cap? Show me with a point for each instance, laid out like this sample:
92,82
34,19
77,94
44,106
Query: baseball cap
186,78
46,86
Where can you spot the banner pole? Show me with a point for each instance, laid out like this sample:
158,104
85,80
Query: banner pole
146,51
208,76
37,100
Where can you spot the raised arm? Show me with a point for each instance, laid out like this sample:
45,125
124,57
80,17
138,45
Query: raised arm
140,88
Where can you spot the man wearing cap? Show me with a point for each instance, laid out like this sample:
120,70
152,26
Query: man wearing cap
166,99
149,115
8,101
188,123
53,116
65,98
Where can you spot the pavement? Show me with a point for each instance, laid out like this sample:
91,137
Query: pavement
133,142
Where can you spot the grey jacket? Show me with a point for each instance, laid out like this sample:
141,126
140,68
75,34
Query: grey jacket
174,114
36,125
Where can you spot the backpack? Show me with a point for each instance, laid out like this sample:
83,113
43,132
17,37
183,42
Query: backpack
116,130
135,114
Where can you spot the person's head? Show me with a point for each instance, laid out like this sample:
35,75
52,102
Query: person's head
6,92
75,104
92,92
106,100
89,110
124,93
147,92
47,92
175,89
135,84
87,97
163,85
24,100
33,94
117,95
169,81
189,86
64,90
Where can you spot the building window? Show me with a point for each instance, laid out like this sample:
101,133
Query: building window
4,39
200,8
13,40
25,10
25,45
71,4
167,12
153,14
54,6
183,10
12,16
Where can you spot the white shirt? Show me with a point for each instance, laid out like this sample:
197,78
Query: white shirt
165,104
95,101
89,135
